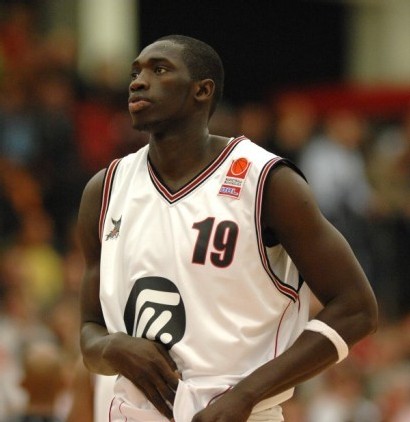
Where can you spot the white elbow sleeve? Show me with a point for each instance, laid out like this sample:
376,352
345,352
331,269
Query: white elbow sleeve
324,329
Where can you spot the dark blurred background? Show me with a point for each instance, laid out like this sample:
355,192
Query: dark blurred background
265,45
323,83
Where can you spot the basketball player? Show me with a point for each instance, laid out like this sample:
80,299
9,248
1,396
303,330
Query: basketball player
201,252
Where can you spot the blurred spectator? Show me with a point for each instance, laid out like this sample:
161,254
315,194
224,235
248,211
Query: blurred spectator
63,318
73,270
294,410
390,174
96,134
92,396
342,397
57,165
11,395
295,125
20,193
42,381
256,123
41,262
18,35
20,324
126,139
224,121
392,393
18,136
335,167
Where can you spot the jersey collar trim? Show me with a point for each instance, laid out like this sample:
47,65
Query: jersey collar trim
172,197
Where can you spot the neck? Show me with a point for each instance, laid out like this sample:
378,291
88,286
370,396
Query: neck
171,148
178,142
180,157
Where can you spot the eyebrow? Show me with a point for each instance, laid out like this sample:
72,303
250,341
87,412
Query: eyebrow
151,60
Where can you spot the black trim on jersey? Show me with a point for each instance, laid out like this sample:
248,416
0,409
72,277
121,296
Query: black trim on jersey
202,176
264,237
288,163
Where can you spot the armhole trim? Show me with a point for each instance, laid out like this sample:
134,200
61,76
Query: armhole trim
284,288
106,194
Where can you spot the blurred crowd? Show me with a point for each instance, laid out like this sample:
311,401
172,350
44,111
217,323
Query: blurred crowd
56,130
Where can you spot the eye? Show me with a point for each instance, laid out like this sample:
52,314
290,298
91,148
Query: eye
159,70
134,74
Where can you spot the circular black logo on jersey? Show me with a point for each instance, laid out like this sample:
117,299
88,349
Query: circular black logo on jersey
155,311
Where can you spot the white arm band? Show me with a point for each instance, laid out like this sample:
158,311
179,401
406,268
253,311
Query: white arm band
332,335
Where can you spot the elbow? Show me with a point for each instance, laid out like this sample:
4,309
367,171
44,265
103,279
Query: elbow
88,344
373,318
87,360
87,363
369,315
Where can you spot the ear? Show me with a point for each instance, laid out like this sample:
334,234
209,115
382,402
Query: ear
205,90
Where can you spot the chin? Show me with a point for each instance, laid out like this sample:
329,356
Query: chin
146,126
139,125
142,127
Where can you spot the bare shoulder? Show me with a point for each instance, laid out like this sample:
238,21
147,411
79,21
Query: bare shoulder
89,213
93,188
289,203
92,194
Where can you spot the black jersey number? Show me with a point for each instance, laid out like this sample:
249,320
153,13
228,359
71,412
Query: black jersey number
224,240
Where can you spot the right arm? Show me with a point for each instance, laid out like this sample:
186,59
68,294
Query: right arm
145,363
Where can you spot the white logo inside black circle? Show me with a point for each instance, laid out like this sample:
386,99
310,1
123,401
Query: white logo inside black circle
155,311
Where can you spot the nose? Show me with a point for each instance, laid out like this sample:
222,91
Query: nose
138,83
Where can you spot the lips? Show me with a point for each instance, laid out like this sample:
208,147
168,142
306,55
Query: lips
136,104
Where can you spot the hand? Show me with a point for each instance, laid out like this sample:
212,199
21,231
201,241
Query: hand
148,366
230,407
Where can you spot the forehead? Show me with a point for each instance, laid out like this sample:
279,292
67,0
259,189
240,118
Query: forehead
165,50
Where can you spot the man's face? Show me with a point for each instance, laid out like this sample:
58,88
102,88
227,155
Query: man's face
161,89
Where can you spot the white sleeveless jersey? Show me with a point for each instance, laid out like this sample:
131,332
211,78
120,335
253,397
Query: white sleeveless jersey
190,268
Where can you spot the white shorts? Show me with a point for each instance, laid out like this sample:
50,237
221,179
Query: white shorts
120,412
103,396
188,401
274,414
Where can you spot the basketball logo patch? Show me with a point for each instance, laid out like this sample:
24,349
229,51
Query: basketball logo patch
235,178
239,168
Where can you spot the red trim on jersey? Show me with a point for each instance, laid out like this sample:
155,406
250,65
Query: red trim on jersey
280,285
218,395
107,184
111,405
277,331
173,197
119,408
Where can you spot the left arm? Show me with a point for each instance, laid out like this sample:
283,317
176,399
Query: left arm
334,275
82,406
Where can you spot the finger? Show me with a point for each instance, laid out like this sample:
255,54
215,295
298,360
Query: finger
168,372
167,392
161,385
171,380
166,356
156,385
157,400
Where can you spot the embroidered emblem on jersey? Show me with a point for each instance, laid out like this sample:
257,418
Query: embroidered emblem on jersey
115,232
235,178
155,311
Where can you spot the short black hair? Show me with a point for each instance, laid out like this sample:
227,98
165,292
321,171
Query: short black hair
202,61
